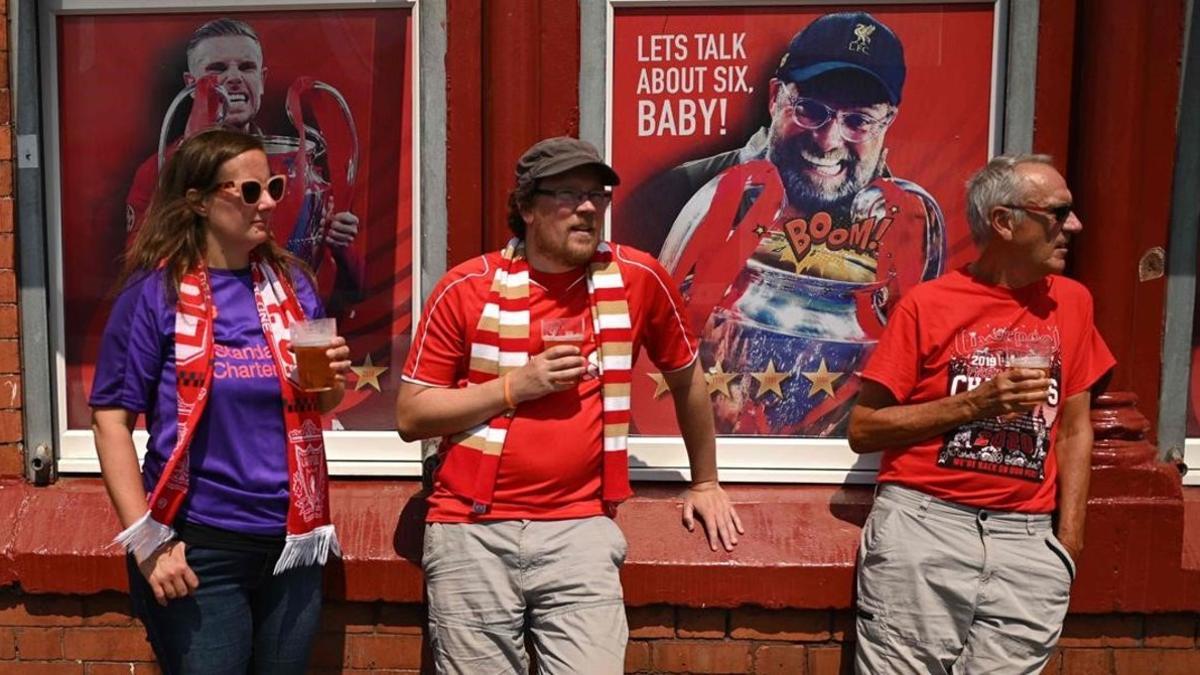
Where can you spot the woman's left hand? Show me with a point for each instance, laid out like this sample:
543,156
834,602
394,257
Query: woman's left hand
339,359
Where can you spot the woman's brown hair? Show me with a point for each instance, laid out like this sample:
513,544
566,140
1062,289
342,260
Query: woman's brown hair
173,234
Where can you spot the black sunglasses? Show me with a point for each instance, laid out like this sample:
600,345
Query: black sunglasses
1060,212
251,190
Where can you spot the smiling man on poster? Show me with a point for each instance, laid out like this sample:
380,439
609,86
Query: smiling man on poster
229,52
806,227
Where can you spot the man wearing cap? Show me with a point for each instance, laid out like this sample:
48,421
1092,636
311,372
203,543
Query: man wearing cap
978,395
829,237
522,363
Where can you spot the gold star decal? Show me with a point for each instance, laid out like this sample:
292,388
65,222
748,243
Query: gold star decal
822,380
660,384
368,374
759,231
718,380
770,380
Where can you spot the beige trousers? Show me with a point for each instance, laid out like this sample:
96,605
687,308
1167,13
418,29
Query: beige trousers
946,588
491,587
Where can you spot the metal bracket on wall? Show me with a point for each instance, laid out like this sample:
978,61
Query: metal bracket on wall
27,151
42,465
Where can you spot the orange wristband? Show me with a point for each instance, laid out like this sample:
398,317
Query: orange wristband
508,400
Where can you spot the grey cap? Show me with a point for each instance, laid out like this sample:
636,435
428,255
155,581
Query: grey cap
552,156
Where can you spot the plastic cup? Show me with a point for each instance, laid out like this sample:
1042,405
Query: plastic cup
563,332
310,342
1031,359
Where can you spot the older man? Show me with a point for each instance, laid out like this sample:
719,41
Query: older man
978,394
522,362
824,239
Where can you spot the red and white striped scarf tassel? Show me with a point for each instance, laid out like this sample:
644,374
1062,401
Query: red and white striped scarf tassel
501,346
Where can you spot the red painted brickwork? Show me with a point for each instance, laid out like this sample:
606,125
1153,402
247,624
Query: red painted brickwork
11,460
95,635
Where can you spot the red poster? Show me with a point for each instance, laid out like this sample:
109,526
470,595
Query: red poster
797,170
330,94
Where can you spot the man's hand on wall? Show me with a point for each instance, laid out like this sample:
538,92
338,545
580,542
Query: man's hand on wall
710,502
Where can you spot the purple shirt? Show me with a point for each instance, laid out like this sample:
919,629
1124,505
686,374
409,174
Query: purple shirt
239,470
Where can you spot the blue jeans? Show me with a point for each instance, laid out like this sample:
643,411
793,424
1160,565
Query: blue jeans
241,618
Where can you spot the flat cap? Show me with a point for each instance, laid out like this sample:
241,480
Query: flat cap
552,156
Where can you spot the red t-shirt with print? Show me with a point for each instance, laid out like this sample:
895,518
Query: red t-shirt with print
551,464
950,335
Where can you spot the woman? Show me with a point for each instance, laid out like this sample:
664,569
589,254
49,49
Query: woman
229,522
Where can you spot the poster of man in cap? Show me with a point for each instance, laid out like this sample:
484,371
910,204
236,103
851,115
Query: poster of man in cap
797,170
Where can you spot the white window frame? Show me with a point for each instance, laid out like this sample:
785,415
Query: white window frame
1191,458
350,453
792,459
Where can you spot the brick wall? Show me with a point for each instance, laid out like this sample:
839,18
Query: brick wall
796,642
11,460
94,634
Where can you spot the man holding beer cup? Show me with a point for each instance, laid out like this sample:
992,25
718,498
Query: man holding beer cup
978,396
523,362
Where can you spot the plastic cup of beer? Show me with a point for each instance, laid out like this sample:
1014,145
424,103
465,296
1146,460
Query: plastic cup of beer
1031,359
563,332
310,340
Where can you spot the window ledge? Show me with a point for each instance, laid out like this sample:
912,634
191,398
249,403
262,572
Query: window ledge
798,551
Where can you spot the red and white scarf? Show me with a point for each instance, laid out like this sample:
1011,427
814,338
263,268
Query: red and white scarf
502,345
310,535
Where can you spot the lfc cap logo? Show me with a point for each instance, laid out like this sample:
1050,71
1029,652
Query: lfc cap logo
862,41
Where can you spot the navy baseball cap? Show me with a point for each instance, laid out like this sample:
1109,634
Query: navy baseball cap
846,40
552,156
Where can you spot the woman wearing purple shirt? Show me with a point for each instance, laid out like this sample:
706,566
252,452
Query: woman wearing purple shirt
224,564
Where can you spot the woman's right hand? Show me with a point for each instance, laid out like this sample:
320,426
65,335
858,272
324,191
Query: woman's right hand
558,368
167,572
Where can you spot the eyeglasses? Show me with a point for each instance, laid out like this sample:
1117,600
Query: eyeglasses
252,190
856,127
571,199
1060,212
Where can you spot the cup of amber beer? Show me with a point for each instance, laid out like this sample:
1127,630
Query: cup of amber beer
1032,357
310,342
564,332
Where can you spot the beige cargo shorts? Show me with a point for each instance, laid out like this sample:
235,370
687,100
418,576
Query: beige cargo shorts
492,586
946,588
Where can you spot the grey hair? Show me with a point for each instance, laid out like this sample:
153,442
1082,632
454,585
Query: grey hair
996,184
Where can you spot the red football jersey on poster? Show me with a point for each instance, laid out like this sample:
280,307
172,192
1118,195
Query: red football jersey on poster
950,335
550,468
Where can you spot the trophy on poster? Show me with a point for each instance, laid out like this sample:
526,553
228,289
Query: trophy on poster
789,305
321,161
